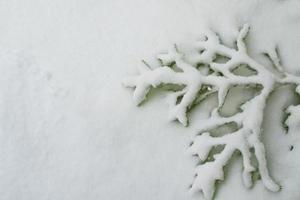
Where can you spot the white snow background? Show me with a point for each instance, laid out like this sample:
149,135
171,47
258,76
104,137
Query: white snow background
70,131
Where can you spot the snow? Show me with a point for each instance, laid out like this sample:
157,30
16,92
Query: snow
69,130
248,121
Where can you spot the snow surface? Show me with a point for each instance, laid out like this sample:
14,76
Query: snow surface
68,128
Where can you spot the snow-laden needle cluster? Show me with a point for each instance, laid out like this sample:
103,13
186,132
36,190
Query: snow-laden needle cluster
219,79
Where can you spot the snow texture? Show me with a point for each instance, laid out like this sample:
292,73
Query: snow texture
183,70
70,131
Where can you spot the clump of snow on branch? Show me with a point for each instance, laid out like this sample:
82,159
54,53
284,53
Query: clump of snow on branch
219,79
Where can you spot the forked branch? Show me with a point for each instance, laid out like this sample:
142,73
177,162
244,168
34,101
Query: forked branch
220,80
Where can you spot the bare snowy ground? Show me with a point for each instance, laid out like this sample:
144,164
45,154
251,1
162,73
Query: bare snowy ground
68,129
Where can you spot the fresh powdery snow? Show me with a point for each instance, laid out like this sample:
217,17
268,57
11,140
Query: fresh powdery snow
219,78
212,112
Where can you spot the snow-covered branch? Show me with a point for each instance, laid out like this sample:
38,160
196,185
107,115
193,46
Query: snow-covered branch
221,79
